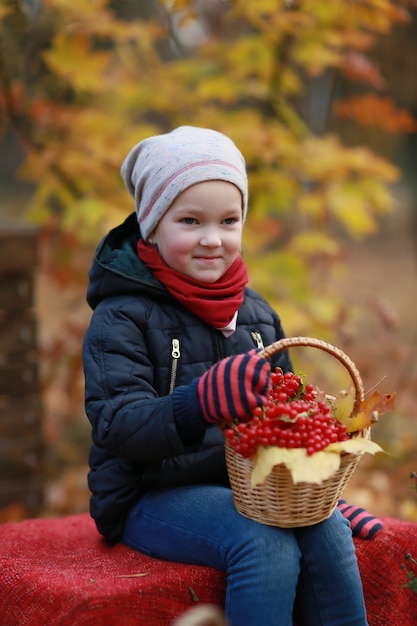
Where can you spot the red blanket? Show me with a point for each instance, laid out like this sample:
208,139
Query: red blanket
59,572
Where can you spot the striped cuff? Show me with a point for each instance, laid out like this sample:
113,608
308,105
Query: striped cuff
362,523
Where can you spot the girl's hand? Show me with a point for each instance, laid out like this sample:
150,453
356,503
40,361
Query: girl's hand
234,387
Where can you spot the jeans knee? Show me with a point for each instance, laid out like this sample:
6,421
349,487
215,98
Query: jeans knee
264,549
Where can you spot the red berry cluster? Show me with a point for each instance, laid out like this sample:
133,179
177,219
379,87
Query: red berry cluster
293,417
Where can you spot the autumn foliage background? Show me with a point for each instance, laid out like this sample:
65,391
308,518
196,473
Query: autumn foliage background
321,99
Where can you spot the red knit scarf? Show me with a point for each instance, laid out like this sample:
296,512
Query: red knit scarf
215,303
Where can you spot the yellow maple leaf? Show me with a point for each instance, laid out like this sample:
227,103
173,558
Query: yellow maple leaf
356,445
316,468
304,468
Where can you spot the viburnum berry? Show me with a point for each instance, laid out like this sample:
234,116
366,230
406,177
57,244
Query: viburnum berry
293,417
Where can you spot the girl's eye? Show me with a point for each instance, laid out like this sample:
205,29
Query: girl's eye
188,220
229,220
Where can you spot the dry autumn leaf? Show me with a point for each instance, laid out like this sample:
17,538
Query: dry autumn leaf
370,410
367,412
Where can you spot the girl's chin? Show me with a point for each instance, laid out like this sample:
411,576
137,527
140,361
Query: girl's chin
207,277
207,274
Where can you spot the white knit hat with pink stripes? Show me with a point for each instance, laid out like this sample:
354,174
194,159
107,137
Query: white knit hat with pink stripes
158,169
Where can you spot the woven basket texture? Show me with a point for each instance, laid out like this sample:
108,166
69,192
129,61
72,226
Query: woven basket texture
279,501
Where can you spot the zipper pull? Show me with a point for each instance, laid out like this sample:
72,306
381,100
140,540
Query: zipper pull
175,356
256,336
175,349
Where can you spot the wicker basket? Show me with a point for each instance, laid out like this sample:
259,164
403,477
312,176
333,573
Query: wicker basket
278,501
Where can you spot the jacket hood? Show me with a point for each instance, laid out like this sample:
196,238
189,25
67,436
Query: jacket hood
116,267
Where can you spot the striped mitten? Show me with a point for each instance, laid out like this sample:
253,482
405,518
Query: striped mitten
234,386
362,523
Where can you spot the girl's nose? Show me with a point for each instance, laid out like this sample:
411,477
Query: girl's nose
210,237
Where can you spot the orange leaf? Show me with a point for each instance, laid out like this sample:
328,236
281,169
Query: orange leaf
373,110
369,411
356,66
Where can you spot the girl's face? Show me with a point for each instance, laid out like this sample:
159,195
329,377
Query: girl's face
201,233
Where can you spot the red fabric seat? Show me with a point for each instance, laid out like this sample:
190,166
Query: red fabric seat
60,572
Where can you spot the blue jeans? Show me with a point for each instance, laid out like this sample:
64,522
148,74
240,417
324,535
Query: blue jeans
272,573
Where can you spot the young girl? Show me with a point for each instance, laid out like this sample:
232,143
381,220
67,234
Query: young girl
172,348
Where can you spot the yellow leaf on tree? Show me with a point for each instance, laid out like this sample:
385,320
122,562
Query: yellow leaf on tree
315,242
72,58
350,205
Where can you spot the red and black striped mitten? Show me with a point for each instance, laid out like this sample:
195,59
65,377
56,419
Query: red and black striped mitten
234,386
362,523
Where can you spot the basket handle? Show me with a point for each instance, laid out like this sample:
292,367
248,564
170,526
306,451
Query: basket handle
290,342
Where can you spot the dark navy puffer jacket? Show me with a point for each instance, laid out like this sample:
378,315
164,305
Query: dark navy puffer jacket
140,345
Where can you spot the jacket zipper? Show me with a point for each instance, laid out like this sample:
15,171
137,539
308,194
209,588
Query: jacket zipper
176,353
175,357
256,336
152,472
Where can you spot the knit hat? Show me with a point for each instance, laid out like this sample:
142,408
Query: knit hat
158,169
